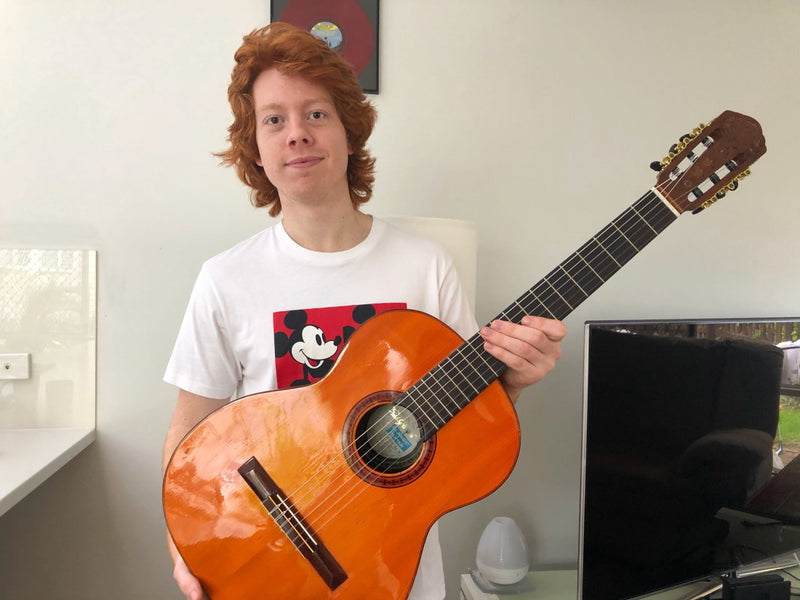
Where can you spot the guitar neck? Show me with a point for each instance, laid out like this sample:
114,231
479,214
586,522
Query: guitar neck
469,369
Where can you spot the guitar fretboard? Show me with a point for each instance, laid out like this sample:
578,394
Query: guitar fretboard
469,369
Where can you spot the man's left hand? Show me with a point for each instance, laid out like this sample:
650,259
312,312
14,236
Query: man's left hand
529,349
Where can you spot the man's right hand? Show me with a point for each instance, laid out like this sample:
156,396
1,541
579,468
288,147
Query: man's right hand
187,583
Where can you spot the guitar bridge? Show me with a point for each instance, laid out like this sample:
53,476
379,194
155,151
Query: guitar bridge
292,523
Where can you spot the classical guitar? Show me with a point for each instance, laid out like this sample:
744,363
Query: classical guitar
328,491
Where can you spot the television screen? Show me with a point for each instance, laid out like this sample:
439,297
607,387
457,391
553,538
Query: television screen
691,433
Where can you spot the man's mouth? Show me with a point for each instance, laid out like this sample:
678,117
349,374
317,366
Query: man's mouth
304,161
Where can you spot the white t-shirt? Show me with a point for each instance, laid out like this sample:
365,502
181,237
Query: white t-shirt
270,314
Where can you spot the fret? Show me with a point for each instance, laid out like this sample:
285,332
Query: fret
636,231
618,247
443,390
428,426
633,229
604,252
554,306
633,208
535,306
451,385
625,237
469,369
457,384
558,293
600,258
438,396
581,270
473,354
475,365
571,278
420,400
578,281
462,373
653,214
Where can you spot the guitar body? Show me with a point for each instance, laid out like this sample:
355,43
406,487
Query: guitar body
374,527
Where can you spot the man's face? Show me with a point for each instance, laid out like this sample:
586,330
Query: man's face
302,143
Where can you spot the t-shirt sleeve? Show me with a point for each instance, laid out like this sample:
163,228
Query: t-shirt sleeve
202,360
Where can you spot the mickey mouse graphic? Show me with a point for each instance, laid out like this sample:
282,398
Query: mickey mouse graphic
305,347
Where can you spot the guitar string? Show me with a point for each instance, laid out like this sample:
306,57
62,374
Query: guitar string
600,251
566,276
603,253
353,497
348,499
565,267
610,235
581,281
379,466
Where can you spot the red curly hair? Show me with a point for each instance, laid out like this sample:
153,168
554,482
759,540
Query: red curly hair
293,51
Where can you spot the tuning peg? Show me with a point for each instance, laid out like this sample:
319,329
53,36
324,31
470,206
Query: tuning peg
675,149
656,166
682,141
732,186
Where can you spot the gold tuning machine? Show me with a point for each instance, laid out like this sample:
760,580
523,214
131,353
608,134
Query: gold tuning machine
680,146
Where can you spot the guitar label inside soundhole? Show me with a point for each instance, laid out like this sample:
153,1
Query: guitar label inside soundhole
382,442
391,431
401,442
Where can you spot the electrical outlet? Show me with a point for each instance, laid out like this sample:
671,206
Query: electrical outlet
15,366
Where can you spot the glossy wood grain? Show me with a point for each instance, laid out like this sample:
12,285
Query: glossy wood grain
236,549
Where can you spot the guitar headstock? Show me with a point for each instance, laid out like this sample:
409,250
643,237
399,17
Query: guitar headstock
710,161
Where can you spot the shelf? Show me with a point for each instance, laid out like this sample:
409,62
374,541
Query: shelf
29,456
544,585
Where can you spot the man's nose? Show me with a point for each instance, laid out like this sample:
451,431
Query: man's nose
299,134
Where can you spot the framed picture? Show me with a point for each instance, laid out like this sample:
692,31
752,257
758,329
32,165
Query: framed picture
348,26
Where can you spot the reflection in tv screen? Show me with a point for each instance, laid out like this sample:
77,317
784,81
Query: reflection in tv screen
689,451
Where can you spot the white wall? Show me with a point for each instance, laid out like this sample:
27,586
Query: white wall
536,119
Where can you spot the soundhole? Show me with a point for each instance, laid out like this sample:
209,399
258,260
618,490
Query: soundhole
383,442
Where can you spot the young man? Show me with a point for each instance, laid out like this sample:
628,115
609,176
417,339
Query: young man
275,310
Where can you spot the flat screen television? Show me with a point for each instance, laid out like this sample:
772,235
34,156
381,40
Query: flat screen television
690,433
